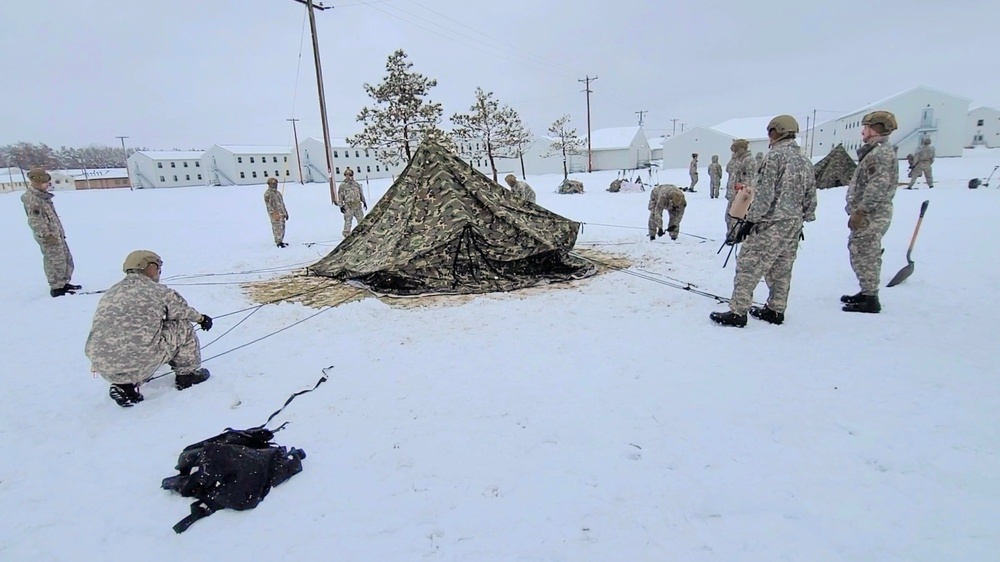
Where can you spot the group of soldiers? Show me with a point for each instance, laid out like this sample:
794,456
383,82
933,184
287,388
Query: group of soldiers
782,195
714,173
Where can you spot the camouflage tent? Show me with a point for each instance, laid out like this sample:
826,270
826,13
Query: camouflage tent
443,227
836,169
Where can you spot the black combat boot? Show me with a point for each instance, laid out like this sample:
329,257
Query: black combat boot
652,237
869,304
72,287
659,232
729,319
60,292
187,380
281,245
767,315
126,395
852,299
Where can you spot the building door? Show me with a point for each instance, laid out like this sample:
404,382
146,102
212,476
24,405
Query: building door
927,119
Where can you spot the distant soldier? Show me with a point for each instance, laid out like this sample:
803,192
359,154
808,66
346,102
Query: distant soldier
352,199
671,199
784,197
139,325
869,204
758,161
520,189
275,204
693,172
714,177
741,171
48,232
922,162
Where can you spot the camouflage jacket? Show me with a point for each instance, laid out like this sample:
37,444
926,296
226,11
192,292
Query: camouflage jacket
666,196
874,182
125,337
740,170
715,170
42,217
522,190
275,203
693,168
351,196
785,188
925,155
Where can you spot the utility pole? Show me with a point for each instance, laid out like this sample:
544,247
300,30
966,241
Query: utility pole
674,121
590,157
310,6
682,127
812,138
805,144
125,156
295,135
640,114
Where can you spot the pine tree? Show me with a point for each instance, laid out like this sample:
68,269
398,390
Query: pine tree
518,139
566,143
401,115
488,122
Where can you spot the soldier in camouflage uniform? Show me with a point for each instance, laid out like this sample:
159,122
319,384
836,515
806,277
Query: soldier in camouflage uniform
714,177
670,198
138,326
693,172
922,162
276,211
520,189
741,171
352,200
758,161
785,196
48,232
869,204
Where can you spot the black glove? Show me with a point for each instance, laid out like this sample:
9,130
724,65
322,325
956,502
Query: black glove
802,235
744,231
206,322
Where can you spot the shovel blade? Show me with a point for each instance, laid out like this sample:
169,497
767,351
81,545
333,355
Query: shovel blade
902,275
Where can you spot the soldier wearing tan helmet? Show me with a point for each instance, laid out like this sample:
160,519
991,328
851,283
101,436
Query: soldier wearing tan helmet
520,189
276,211
922,162
869,204
670,198
138,326
784,197
352,200
48,231
740,172
693,172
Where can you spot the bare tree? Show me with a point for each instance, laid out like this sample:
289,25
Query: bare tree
518,139
487,121
566,142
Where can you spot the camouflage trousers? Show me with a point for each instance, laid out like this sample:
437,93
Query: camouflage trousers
351,214
768,252
714,184
865,246
674,216
924,169
178,346
730,221
694,181
278,229
57,263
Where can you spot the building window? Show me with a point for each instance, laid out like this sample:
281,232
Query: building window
334,154
357,154
159,164
275,159
979,123
254,174
347,154
173,164
276,174
175,178
197,164
286,173
187,177
286,159
251,159
337,169
366,154
163,179
199,176
243,175
377,168
239,159
185,164
265,173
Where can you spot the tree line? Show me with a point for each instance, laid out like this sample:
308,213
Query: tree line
26,155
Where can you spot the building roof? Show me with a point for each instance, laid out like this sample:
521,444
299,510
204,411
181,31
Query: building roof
882,101
172,154
755,128
612,138
694,130
255,149
984,107
334,142
656,142
96,173
12,178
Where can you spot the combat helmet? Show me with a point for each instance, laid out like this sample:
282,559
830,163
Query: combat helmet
272,181
39,176
139,260
783,125
883,119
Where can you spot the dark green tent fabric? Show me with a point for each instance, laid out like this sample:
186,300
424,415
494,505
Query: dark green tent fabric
443,227
835,170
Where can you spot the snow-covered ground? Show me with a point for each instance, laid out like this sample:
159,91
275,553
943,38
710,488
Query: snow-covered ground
607,420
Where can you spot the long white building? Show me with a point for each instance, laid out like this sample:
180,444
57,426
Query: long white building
173,168
983,128
230,164
618,148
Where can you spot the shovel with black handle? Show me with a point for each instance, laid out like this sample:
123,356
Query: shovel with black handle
908,270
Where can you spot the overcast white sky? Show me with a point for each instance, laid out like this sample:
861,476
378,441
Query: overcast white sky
192,73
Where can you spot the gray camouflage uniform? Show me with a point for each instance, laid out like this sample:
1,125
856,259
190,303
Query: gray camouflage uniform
715,177
138,326
870,192
48,232
522,190
352,198
923,160
670,198
759,161
741,169
276,211
693,172
785,196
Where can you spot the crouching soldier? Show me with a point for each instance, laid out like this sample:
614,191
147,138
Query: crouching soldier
138,326
670,198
